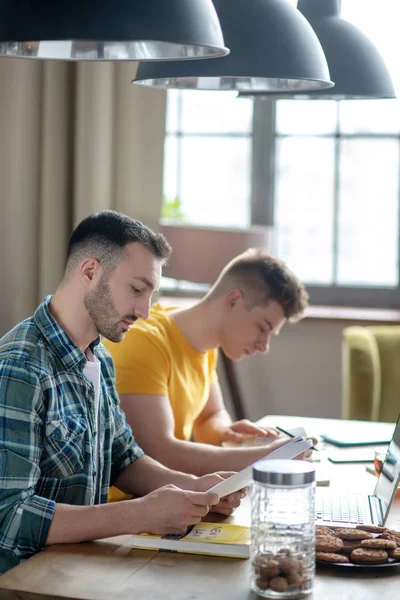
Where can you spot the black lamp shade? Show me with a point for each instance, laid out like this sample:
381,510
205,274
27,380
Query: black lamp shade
112,30
273,48
355,64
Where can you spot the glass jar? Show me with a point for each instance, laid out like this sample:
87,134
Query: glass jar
283,528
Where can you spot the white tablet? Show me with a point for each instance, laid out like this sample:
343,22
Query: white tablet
243,478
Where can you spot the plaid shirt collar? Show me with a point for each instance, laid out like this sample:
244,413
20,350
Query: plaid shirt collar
70,355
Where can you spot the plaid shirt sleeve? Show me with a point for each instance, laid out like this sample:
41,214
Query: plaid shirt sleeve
125,449
25,518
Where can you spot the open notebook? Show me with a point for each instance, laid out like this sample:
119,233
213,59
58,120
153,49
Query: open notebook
219,539
348,510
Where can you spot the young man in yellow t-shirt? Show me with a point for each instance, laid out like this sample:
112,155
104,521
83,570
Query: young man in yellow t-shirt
166,366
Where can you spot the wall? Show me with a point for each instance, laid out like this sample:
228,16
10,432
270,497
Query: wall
301,375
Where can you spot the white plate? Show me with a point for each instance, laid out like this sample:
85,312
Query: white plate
391,564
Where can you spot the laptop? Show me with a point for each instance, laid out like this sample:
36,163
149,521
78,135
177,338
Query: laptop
348,510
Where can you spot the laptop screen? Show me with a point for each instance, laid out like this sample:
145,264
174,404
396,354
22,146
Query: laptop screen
388,481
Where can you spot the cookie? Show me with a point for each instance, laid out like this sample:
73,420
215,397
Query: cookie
395,553
328,543
276,571
324,530
368,557
331,557
294,578
287,565
391,534
353,534
279,584
378,544
371,528
262,584
350,545
266,568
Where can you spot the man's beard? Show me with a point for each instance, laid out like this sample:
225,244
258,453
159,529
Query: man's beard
102,311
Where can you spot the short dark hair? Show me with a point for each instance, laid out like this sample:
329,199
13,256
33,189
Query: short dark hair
105,234
261,278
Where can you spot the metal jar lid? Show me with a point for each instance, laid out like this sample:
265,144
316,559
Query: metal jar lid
284,472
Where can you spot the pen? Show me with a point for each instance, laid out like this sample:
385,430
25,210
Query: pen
292,436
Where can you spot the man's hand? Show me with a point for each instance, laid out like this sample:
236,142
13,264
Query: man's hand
171,510
226,505
245,429
307,455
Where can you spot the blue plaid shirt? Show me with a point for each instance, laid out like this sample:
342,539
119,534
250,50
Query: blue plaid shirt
48,432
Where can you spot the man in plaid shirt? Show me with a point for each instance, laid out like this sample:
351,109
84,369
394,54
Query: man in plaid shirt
63,437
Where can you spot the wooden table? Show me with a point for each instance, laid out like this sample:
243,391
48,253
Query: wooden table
108,569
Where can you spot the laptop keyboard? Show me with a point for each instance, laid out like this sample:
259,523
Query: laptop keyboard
340,509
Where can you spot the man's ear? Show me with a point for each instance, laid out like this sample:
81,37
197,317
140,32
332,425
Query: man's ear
232,298
90,271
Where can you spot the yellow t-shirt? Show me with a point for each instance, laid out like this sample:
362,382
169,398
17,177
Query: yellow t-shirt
155,358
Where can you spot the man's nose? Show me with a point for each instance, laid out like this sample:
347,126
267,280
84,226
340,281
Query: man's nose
263,347
142,309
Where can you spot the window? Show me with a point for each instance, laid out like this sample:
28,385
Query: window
208,158
326,174
337,191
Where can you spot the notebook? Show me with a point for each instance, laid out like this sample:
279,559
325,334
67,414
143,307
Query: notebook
356,433
347,510
217,539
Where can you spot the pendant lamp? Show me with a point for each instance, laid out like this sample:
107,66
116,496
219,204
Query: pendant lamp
112,30
273,48
355,64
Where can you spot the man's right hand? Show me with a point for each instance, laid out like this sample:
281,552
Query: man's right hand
170,509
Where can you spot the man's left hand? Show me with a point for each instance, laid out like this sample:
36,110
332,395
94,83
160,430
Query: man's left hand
241,430
226,505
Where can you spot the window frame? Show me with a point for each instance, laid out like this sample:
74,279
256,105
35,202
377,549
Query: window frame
263,204
263,137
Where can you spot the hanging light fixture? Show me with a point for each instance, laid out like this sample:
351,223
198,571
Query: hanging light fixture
273,48
114,30
355,64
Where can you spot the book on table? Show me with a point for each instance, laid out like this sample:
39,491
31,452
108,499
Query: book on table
217,539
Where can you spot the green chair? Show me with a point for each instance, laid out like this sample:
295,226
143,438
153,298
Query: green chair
371,373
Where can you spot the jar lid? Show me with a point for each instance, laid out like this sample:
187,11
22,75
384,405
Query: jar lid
284,472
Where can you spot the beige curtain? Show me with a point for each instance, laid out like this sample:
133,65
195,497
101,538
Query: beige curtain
74,138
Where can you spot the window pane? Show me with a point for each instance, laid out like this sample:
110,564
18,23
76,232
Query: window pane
368,212
370,116
308,117
170,179
172,118
304,206
215,112
215,181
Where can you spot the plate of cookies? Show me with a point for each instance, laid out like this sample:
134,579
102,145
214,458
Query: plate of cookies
362,546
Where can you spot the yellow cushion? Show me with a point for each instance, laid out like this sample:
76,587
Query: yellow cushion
371,373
